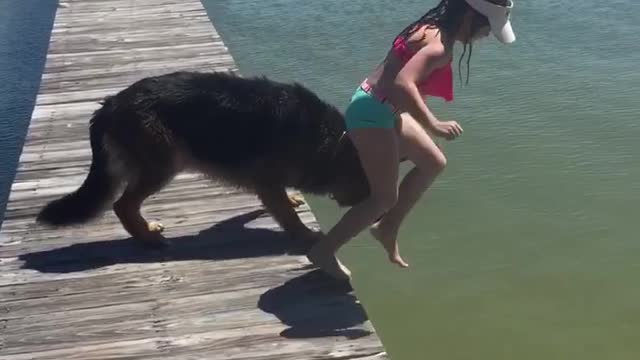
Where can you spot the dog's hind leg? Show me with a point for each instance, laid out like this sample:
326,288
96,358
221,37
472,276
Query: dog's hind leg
127,208
280,206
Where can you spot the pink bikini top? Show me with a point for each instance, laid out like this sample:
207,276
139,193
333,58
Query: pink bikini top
440,81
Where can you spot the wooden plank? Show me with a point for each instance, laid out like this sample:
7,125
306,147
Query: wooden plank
230,287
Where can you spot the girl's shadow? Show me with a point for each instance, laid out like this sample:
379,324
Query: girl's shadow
316,305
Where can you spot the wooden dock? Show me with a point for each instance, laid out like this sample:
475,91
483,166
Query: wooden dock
225,290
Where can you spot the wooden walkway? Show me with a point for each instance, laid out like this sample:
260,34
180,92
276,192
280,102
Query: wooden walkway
226,290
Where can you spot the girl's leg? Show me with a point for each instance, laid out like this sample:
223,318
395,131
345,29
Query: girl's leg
378,152
417,145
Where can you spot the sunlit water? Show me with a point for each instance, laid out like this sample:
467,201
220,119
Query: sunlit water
25,26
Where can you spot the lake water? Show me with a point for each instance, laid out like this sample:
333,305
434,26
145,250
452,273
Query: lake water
25,27
527,247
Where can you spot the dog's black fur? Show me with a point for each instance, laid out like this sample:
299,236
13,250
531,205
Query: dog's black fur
256,133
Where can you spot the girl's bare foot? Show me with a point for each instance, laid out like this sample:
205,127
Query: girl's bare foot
390,243
329,263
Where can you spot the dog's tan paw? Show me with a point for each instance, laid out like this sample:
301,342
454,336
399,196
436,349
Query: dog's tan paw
296,200
156,227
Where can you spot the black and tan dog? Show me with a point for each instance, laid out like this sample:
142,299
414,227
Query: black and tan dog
254,133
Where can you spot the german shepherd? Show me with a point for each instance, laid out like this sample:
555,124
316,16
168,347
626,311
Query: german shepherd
253,133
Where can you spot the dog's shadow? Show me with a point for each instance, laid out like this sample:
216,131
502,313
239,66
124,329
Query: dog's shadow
228,239
311,305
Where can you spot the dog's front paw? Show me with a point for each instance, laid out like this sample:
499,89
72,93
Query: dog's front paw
296,200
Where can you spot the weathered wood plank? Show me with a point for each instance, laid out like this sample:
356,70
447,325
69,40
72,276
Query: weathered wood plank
230,287
129,288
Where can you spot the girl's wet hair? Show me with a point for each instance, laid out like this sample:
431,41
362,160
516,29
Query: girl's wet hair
448,16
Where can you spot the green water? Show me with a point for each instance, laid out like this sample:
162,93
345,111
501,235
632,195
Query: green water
527,247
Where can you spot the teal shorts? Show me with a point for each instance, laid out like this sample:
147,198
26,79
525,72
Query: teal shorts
366,111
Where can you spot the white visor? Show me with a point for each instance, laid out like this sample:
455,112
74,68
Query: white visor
499,18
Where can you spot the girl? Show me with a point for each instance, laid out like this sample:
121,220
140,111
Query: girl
388,119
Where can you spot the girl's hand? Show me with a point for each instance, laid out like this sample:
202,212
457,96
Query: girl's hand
447,129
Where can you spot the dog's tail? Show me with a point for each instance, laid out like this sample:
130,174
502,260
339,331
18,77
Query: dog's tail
98,188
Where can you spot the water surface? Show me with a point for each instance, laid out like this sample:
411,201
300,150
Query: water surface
25,27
